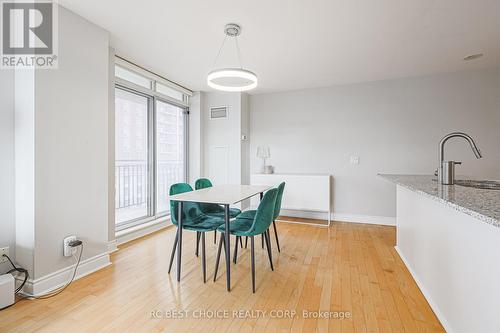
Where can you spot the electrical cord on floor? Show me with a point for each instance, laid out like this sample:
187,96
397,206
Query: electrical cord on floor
61,289
53,292
20,270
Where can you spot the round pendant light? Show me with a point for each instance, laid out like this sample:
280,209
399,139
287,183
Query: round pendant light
231,79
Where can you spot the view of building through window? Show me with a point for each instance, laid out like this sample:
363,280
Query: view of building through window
169,151
134,176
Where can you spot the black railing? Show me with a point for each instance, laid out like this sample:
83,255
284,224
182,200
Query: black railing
131,181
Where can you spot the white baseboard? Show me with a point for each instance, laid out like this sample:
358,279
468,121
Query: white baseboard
112,246
368,219
59,278
355,218
427,296
139,231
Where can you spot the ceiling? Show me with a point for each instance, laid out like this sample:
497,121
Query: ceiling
296,44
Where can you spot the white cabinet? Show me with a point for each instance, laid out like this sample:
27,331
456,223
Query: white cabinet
309,193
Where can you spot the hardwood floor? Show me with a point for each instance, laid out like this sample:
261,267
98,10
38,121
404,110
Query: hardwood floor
349,269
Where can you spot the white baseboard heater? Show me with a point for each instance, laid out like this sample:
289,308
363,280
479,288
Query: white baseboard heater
306,193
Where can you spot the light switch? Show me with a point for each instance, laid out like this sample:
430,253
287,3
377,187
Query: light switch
354,159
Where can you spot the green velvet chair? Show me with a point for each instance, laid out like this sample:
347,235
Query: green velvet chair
249,228
250,214
213,209
193,219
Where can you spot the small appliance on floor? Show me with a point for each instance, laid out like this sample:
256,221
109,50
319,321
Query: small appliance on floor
7,287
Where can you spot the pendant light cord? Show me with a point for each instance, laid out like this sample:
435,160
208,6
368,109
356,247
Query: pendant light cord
220,50
238,52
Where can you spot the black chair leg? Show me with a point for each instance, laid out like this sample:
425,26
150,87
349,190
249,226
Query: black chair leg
262,240
172,256
253,262
246,241
268,245
203,257
241,241
236,249
215,236
197,243
276,235
221,242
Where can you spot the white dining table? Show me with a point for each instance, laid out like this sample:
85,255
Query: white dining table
224,195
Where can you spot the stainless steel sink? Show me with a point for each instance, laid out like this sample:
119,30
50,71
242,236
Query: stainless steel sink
484,184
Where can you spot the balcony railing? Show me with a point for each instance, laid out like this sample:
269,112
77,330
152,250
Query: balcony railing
131,182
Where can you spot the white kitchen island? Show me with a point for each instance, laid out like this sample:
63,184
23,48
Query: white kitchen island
449,239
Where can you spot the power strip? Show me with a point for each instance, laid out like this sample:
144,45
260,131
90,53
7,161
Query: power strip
7,287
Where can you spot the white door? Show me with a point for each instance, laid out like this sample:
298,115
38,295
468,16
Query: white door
219,165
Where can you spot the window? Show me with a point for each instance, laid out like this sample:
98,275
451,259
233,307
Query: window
150,146
170,150
167,91
131,160
132,77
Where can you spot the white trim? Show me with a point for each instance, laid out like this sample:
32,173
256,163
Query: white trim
339,217
112,246
366,219
426,294
141,230
59,278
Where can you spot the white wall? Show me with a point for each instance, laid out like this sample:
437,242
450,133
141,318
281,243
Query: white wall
394,126
195,132
111,147
72,145
62,152
222,135
7,224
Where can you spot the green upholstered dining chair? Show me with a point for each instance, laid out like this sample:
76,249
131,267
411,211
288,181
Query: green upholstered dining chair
213,209
250,214
193,219
250,228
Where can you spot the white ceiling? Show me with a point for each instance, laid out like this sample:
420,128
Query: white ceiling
295,44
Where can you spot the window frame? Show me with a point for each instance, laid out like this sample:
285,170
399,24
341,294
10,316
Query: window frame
154,96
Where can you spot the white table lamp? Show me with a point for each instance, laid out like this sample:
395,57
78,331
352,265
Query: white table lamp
263,152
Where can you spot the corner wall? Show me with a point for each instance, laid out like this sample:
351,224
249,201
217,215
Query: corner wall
7,222
62,156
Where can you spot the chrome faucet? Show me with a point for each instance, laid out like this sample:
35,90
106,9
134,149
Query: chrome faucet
446,169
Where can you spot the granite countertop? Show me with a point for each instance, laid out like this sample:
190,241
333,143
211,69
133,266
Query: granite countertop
482,204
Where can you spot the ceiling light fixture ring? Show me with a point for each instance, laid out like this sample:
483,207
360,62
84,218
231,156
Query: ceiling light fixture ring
232,79
247,79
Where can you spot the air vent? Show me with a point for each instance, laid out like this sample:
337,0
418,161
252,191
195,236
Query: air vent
218,112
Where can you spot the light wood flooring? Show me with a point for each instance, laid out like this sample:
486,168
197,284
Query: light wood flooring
348,269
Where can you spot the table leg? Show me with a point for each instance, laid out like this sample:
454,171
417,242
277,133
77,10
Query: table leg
179,242
227,248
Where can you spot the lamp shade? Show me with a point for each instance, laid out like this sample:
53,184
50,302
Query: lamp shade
263,152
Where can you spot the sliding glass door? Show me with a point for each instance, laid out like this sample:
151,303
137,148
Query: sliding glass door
170,151
132,185
150,155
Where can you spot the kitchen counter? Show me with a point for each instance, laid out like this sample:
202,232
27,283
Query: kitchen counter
449,240
482,204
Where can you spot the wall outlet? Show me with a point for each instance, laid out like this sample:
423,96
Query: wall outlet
3,250
354,160
68,250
